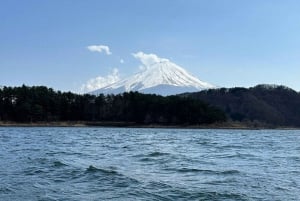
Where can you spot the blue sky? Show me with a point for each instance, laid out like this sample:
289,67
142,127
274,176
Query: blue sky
225,42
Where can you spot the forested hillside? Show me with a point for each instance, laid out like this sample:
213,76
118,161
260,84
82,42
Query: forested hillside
35,104
263,104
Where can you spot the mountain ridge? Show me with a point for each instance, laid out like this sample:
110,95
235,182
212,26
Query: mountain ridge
263,104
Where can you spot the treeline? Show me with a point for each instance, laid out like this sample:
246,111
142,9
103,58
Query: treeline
39,103
262,104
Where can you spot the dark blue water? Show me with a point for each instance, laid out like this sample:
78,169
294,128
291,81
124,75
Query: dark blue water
148,164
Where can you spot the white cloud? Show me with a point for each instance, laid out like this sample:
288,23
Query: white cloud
99,82
121,61
148,59
99,48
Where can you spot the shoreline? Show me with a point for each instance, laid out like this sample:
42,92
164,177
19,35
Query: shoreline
226,125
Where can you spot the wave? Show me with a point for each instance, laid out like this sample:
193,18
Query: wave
93,169
205,171
237,155
164,191
157,154
187,170
108,178
6,189
229,172
59,164
34,171
211,195
232,146
150,156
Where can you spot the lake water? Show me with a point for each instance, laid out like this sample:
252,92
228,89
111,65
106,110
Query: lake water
148,164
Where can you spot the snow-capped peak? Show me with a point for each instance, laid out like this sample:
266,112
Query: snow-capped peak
159,76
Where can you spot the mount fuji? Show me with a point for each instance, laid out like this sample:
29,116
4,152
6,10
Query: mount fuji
162,77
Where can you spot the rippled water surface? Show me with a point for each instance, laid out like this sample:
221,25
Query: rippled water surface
148,164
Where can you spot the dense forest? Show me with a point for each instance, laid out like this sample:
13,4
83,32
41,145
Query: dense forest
42,104
262,104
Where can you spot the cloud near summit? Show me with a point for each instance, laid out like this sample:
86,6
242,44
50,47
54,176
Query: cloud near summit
99,48
148,59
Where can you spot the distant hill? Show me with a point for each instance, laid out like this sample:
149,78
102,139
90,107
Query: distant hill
262,104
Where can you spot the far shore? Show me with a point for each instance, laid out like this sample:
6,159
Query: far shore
225,125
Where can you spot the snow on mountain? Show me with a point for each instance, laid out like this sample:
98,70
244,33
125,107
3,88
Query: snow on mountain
161,77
